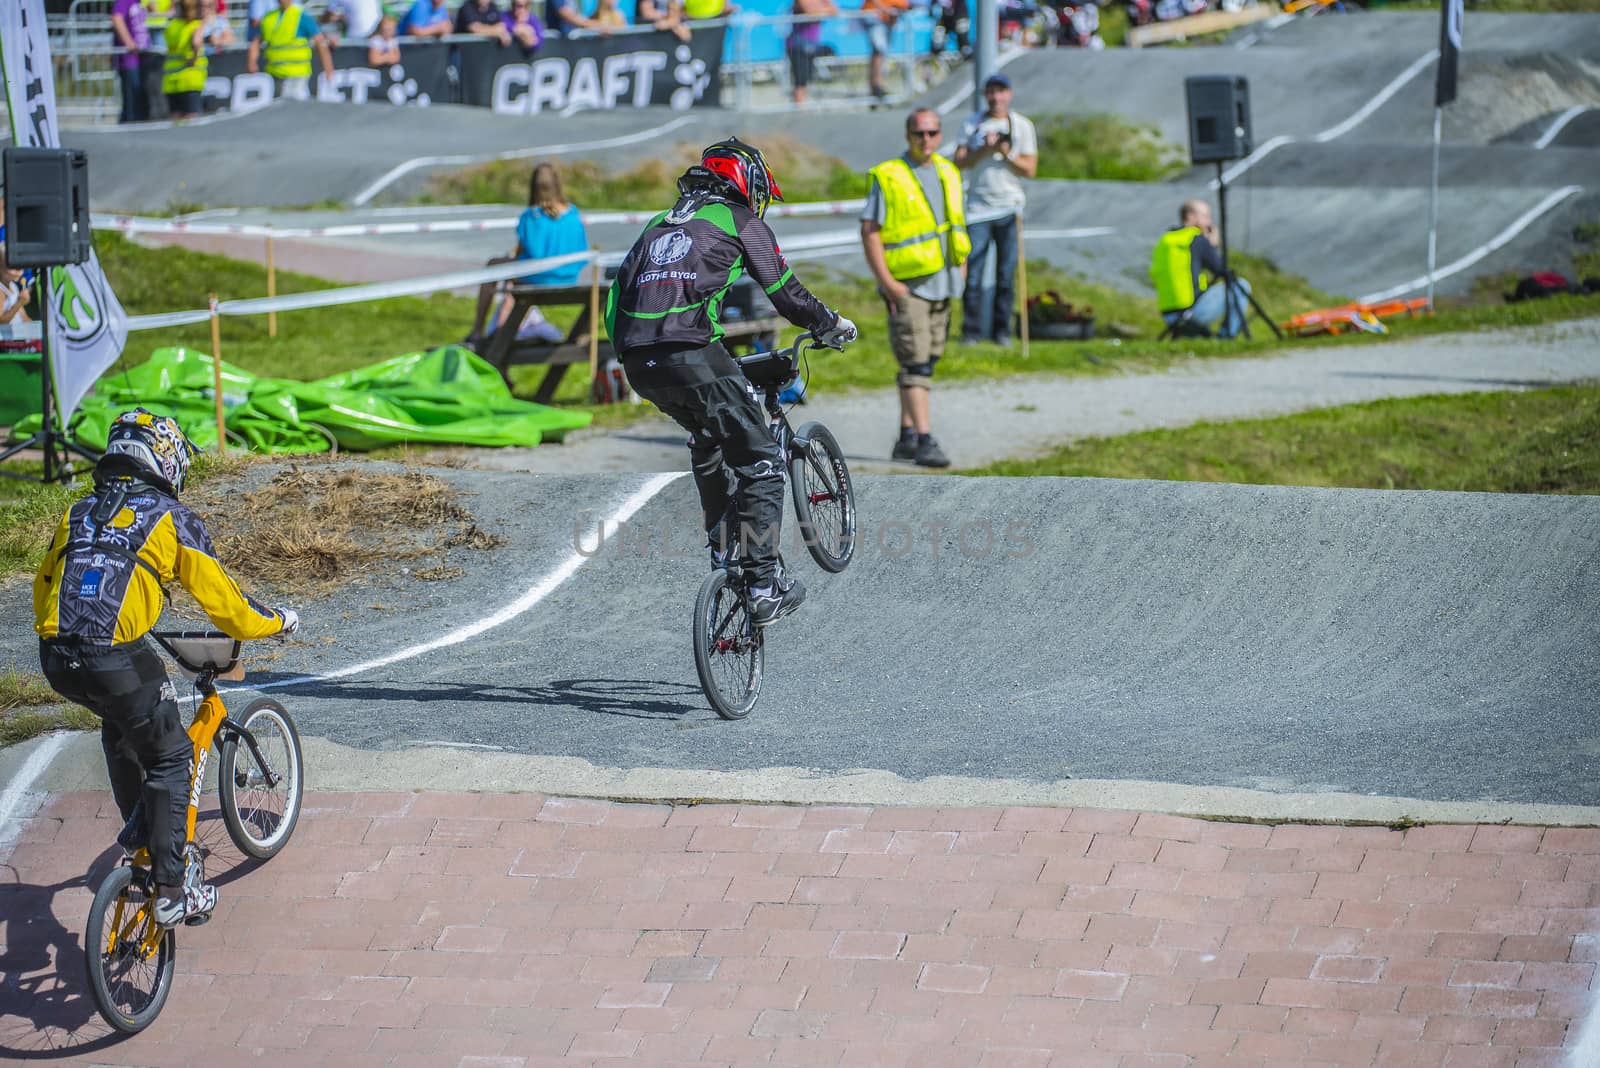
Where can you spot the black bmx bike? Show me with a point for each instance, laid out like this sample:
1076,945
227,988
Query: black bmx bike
729,651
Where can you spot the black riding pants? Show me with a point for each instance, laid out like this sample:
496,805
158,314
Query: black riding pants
147,750
738,467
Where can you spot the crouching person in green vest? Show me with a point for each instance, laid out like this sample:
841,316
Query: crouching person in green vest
914,233
288,35
1187,271
183,76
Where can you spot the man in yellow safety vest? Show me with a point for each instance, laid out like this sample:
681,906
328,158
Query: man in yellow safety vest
914,232
1187,272
289,34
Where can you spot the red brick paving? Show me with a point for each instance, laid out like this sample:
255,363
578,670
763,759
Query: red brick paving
482,931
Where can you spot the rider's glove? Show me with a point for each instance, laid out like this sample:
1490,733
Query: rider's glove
291,621
841,333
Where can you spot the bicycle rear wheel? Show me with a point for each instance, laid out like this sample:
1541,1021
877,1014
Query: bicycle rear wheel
129,957
728,650
261,798
824,501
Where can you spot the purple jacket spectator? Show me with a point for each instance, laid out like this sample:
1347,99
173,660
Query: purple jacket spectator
129,37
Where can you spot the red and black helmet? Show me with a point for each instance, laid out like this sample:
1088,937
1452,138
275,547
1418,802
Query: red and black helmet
743,170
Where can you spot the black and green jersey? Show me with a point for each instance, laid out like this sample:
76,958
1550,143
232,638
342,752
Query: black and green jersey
671,285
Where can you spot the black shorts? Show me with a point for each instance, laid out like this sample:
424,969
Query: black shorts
802,55
184,103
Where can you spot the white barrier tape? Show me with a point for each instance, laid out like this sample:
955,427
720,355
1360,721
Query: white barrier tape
141,224
820,243
166,319
324,298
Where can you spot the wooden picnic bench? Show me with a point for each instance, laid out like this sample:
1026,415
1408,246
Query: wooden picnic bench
505,350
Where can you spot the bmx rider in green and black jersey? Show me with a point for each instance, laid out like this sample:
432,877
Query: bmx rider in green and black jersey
663,314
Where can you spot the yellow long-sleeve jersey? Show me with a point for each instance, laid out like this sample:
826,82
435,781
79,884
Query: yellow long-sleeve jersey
102,582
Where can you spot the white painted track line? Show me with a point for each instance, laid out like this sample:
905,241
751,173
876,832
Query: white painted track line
1556,128
532,596
394,174
16,798
1521,223
1380,98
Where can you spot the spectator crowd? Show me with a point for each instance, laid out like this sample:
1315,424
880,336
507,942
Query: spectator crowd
285,37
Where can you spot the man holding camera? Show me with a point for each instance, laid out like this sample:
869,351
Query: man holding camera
999,147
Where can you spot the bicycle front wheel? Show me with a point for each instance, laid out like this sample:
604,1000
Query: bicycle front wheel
728,650
261,797
129,956
824,502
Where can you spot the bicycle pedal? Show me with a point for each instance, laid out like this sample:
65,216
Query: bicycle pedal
197,920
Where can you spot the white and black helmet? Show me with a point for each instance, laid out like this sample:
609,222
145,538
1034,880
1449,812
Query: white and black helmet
155,442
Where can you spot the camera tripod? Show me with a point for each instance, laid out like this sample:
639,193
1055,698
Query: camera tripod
1229,282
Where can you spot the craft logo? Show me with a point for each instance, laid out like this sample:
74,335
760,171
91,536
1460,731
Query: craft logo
670,248
692,79
79,296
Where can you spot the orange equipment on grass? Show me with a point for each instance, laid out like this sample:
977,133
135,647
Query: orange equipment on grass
1354,316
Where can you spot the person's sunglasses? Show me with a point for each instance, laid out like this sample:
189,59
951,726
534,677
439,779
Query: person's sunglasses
926,133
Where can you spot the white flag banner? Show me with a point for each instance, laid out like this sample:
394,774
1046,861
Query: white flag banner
87,324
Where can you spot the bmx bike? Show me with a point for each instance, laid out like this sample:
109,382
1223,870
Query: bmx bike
130,956
729,649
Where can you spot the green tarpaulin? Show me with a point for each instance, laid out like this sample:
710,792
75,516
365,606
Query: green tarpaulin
448,396
19,386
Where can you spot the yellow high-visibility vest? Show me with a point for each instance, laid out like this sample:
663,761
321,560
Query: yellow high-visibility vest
156,14
1172,270
186,66
913,243
288,54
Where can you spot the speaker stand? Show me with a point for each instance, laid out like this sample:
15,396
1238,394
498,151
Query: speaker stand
52,438
1228,281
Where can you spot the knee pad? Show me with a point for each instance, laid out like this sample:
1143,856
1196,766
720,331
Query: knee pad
915,375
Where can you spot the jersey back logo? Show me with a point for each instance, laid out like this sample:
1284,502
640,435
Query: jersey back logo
670,248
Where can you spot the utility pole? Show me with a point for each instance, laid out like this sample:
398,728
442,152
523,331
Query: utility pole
985,45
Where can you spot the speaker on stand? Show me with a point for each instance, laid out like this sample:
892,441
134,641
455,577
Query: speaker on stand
47,225
1219,131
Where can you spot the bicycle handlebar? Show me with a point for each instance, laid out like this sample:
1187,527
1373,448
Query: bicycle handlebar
793,351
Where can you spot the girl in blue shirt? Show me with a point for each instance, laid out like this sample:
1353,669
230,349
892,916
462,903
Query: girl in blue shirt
549,226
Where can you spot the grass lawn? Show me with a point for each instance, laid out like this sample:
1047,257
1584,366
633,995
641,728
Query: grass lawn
805,174
321,341
1535,441
28,708
1105,148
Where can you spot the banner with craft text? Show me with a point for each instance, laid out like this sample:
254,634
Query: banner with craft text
596,73
422,77
87,324
566,74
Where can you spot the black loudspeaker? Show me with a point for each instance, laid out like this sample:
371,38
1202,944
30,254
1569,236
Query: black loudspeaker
1219,117
47,206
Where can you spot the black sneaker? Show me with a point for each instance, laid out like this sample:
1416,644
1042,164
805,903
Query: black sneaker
768,604
904,449
929,454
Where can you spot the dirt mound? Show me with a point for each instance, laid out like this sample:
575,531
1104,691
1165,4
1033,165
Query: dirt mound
1499,94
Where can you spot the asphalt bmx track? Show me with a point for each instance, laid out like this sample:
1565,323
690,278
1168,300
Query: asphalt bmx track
1032,633
941,837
